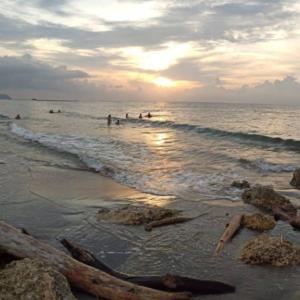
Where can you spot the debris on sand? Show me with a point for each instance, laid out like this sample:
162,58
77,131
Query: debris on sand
33,279
266,198
258,222
296,179
270,250
136,215
241,184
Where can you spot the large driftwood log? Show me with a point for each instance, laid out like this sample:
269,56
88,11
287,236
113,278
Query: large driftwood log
89,279
168,282
231,229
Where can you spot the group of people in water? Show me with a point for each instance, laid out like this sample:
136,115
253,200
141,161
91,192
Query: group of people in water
51,111
109,118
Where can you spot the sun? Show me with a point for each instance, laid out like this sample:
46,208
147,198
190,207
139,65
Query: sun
164,82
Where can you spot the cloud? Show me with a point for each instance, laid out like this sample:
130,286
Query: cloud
281,91
232,42
28,73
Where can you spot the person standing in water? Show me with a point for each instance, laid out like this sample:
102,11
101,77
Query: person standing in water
140,116
109,120
149,115
127,116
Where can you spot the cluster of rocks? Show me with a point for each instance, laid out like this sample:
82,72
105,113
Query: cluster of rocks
265,249
34,280
258,222
270,250
240,184
266,198
296,179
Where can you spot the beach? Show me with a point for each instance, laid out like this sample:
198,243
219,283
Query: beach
54,195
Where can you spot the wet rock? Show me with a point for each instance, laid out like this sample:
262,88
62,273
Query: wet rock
266,198
136,215
271,251
296,179
34,280
241,184
258,222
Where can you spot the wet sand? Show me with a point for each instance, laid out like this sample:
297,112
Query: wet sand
53,203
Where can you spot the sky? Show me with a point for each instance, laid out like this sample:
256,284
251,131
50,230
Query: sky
192,50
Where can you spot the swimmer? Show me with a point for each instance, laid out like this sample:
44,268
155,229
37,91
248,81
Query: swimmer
140,116
108,120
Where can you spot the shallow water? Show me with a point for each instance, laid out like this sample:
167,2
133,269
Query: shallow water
185,148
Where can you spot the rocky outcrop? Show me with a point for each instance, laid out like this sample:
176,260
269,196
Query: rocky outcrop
266,198
241,184
258,222
296,179
271,251
136,215
34,280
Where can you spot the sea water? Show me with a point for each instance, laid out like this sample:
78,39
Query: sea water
194,149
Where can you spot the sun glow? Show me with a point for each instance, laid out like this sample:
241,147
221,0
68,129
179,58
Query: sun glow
164,82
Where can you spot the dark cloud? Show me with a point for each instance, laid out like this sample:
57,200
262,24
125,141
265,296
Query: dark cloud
199,22
28,73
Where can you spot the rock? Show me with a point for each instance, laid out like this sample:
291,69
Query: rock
270,250
241,184
34,280
136,215
296,179
258,222
266,198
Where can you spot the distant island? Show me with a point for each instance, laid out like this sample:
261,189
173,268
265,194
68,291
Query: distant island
54,100
4,97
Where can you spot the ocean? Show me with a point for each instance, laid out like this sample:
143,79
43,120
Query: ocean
192,150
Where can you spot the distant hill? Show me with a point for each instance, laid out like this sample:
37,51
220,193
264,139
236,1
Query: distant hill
4,97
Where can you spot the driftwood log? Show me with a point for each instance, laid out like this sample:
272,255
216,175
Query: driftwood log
293,220
231,229
168,282
91,280
166,221
170,221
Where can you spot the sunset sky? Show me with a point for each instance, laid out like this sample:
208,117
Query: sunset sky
221,50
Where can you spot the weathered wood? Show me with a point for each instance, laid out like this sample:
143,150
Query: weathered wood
82,276
231,229
167,282
166,221
294,221
171,221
